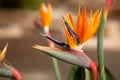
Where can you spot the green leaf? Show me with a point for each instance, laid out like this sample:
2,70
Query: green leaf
72,73
76,73
109,76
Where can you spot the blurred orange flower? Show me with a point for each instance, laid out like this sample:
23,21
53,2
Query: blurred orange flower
45,14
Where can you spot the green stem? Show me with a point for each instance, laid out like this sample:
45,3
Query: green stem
72,72
100,50
87,74
56,68
54,60
51,44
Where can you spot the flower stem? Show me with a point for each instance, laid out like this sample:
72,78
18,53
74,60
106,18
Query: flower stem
100,49
54,60
87,74
56,68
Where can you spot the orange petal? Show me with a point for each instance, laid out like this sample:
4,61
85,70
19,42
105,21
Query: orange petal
3,53
95,15
96,21
82,25
89,28
70,39
45,14
70,21
90,23
93,25
79,24
85,25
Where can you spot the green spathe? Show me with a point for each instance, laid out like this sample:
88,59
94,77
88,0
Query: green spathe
74,57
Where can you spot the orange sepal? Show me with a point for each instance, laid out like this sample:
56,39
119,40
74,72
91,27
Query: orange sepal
45,14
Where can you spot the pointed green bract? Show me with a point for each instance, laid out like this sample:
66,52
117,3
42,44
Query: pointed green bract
70,56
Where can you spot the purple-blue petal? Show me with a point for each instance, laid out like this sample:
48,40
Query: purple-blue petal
59,43
74,35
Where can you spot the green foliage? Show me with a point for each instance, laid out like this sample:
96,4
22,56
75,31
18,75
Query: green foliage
76,73
12,79
31,4
109,76
20,4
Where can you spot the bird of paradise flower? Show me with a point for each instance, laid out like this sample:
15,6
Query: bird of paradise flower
71,51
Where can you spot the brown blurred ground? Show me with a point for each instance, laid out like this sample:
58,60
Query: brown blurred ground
16,28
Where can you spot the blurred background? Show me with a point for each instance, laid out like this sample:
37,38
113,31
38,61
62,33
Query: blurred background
17,28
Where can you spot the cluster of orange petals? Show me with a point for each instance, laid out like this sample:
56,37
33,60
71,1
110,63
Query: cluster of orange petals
84,29
45,14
